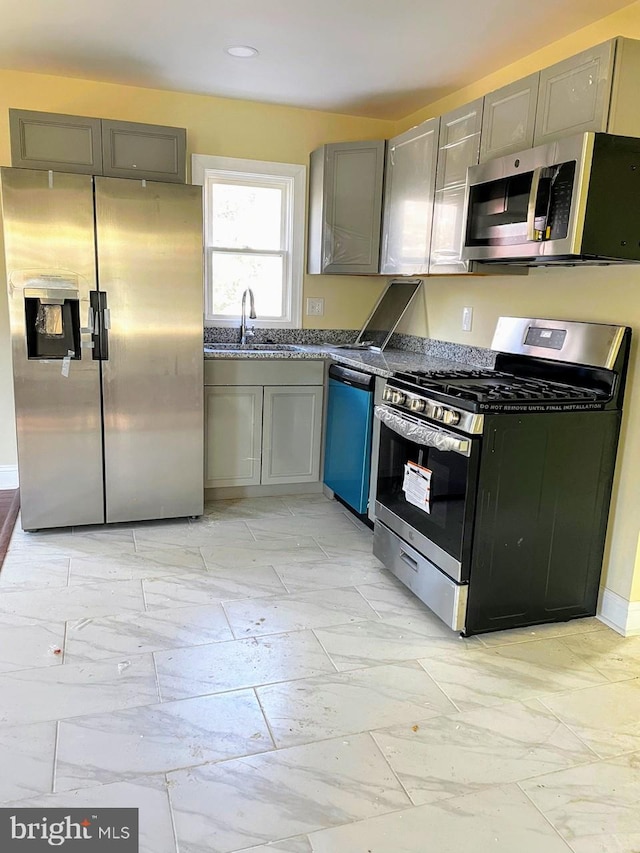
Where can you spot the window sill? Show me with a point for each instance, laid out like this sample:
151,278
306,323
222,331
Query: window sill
234,323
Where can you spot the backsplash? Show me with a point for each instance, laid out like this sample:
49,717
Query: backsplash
407,343
443,349
217,334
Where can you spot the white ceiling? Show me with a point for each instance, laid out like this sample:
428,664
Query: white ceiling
381,58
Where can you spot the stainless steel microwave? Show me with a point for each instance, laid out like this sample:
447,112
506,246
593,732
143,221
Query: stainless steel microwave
573,201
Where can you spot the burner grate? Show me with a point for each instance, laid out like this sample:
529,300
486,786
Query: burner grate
492,386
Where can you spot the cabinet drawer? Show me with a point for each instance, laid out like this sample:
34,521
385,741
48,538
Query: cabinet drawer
447,599
228,371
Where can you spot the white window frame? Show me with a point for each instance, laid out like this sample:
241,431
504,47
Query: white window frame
293,177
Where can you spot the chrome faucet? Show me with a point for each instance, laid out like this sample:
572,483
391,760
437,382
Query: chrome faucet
247,331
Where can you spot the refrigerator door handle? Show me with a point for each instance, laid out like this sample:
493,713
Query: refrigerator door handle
93,323
98,301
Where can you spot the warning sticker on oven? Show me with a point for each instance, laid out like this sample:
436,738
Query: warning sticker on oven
417,486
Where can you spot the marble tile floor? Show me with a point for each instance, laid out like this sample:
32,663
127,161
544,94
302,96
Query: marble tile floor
255,680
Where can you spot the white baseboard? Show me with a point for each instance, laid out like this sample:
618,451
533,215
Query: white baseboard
618,613
8,476
633,622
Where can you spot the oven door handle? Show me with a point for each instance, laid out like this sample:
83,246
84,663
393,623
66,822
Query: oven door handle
422,433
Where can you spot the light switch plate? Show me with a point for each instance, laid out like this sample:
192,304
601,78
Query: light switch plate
315,306
467,319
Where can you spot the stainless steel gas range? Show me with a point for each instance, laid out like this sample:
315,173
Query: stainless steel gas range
493,486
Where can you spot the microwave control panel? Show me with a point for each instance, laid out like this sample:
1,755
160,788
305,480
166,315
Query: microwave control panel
560,192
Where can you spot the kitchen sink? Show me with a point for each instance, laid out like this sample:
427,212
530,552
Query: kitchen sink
251,347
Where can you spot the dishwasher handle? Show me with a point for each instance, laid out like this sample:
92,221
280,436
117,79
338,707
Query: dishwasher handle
349,376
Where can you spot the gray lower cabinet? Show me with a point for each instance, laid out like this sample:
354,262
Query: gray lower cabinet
292,423
459,148
61,143
233,435
132,150
94,146
263,422
508,119
345,207
410,179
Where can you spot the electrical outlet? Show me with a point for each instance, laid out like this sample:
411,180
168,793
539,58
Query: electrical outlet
467,319
315,306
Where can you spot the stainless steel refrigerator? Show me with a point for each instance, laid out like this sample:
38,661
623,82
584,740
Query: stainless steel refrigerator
104,277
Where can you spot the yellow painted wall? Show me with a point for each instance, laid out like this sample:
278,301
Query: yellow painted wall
214,126
605,294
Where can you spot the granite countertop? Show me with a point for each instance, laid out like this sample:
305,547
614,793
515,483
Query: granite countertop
378,363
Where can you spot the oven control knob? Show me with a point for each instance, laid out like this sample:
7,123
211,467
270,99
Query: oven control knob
387,394
398,397
450,417
437,413
417,405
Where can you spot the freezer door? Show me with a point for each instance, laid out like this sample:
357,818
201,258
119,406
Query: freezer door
50,266
149,239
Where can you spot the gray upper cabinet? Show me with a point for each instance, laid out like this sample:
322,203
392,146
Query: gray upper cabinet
595,90
410,180
345,207
131,150
93,146
459,148
509,117
575,94
58,142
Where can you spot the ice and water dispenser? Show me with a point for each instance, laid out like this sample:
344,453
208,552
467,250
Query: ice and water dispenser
52,318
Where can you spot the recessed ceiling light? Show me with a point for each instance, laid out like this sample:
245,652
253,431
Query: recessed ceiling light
242,51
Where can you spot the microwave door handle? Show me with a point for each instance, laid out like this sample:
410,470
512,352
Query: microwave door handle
532,234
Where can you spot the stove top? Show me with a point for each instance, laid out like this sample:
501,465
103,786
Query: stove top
550,366
493,390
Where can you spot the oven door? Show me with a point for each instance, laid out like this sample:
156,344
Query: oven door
426,488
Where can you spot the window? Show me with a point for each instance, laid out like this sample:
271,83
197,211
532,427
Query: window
254,237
